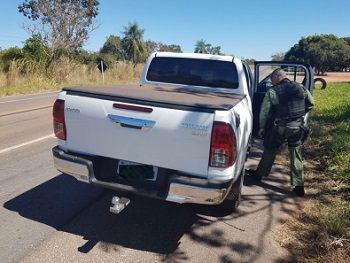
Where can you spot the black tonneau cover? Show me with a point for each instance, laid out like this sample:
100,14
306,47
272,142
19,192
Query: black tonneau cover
169,97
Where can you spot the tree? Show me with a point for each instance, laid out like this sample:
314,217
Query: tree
175,48
113,46
323,52
169,48
202,47
346,39
250,61
35,50
133,44
215,50
278,56
152,46
87,58
112,51
63,24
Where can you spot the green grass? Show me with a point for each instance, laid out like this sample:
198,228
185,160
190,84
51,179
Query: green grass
331,118
331,125
320,230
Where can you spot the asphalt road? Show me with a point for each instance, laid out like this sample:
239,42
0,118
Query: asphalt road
46,216
25,118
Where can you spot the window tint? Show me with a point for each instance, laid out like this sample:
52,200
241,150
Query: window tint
195,72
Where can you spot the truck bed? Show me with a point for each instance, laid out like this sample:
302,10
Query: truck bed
168,97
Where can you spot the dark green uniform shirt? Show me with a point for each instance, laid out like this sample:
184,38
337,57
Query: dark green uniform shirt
271,99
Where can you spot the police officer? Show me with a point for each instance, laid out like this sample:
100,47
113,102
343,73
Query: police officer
286,103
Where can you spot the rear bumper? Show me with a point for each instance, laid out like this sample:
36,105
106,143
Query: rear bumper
175,187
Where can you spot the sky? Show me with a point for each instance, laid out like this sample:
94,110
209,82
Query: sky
248,29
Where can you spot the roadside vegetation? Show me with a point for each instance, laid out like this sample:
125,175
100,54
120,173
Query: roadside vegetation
320,230
24,76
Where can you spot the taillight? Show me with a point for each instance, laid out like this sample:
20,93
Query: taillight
59,124
223,150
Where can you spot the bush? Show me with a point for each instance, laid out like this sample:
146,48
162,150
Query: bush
29,76
8,56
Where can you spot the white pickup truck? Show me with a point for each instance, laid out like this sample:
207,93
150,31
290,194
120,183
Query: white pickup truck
182,134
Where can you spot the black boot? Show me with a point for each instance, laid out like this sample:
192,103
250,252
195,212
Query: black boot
299,191
253,174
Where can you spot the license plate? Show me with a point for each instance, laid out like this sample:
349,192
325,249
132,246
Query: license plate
137,171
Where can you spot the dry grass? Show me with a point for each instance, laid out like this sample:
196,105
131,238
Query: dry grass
306,238
318,232
25,77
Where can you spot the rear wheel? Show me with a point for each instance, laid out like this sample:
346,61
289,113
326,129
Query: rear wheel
233,198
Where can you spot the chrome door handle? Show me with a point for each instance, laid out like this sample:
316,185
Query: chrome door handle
127,122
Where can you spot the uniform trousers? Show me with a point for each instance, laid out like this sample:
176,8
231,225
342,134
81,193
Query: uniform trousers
293,136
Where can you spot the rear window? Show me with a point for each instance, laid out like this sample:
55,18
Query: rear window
194,72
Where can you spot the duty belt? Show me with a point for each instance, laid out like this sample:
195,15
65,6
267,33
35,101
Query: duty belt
290,122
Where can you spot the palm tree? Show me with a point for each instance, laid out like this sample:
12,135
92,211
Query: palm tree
133,43
201,47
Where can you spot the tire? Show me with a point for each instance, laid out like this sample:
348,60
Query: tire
324,83
233,198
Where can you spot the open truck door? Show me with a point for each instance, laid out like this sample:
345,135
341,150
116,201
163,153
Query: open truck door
298,72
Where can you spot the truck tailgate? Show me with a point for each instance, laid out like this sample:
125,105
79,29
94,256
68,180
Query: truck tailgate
176,139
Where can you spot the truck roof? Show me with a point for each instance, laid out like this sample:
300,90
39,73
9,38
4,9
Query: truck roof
193,55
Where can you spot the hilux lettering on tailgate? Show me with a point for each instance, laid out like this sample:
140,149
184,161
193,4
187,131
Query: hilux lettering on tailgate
198,130
194,126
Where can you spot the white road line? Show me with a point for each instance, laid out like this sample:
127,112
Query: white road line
32,97
26,143
25,110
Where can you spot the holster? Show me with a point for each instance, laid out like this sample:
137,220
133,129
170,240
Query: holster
273,139
297,140
306,133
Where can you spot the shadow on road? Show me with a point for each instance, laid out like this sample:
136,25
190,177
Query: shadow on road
150,225
54,202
